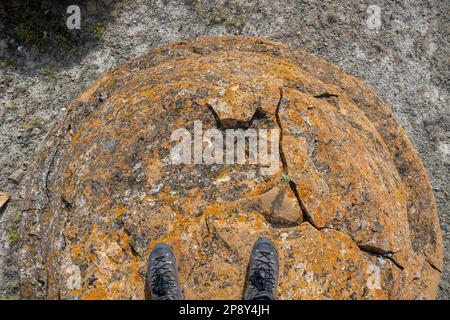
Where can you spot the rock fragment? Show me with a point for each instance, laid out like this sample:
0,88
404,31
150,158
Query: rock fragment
16,176
4,198
280,205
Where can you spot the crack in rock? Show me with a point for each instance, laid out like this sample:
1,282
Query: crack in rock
378,252
432,265
326,95
292,184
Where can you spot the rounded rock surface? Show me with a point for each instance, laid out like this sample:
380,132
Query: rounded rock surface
350,207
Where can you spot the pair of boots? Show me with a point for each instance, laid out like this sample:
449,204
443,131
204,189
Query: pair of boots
262,280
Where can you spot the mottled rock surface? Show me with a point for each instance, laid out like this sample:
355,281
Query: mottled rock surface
350,209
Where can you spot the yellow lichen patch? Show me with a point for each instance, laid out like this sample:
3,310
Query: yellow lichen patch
119,212
77,136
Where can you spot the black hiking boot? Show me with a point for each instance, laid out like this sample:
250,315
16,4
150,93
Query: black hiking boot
262,278
162,274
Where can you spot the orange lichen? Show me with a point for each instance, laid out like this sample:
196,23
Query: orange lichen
122,195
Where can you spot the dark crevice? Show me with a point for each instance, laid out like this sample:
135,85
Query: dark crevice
394,262
292,184
432,265
326,95
134,252
373,249
66,204
381,253
235,124
215,115
259,114
277,117
305,214
208,231
127,232
278,224
230,123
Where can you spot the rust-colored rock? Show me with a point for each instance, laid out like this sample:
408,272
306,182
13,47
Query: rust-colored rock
280,205
350,208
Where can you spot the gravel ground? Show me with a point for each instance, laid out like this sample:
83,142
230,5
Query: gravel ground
405,59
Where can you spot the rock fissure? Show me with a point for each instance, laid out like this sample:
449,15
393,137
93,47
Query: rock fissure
432,265
66,204
292,184
376,252
326,95
214,114
208,231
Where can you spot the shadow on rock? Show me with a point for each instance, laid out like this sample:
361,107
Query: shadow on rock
35,32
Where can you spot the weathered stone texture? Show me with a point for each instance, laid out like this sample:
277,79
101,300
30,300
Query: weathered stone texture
350,209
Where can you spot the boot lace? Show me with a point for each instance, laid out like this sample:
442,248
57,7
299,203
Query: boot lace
262,278
162,282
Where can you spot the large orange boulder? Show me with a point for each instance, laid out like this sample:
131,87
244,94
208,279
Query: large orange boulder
349,205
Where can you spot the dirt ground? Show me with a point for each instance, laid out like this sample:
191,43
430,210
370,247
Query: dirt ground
405,58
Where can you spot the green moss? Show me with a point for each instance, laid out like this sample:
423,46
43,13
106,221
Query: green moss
118,8
196,4
220,15
67,42
332,16
13,236
19,90
230,13
17,218
285,179
237,21
12,106
33,122
50,72
25,34
99,30
5,63
13,227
